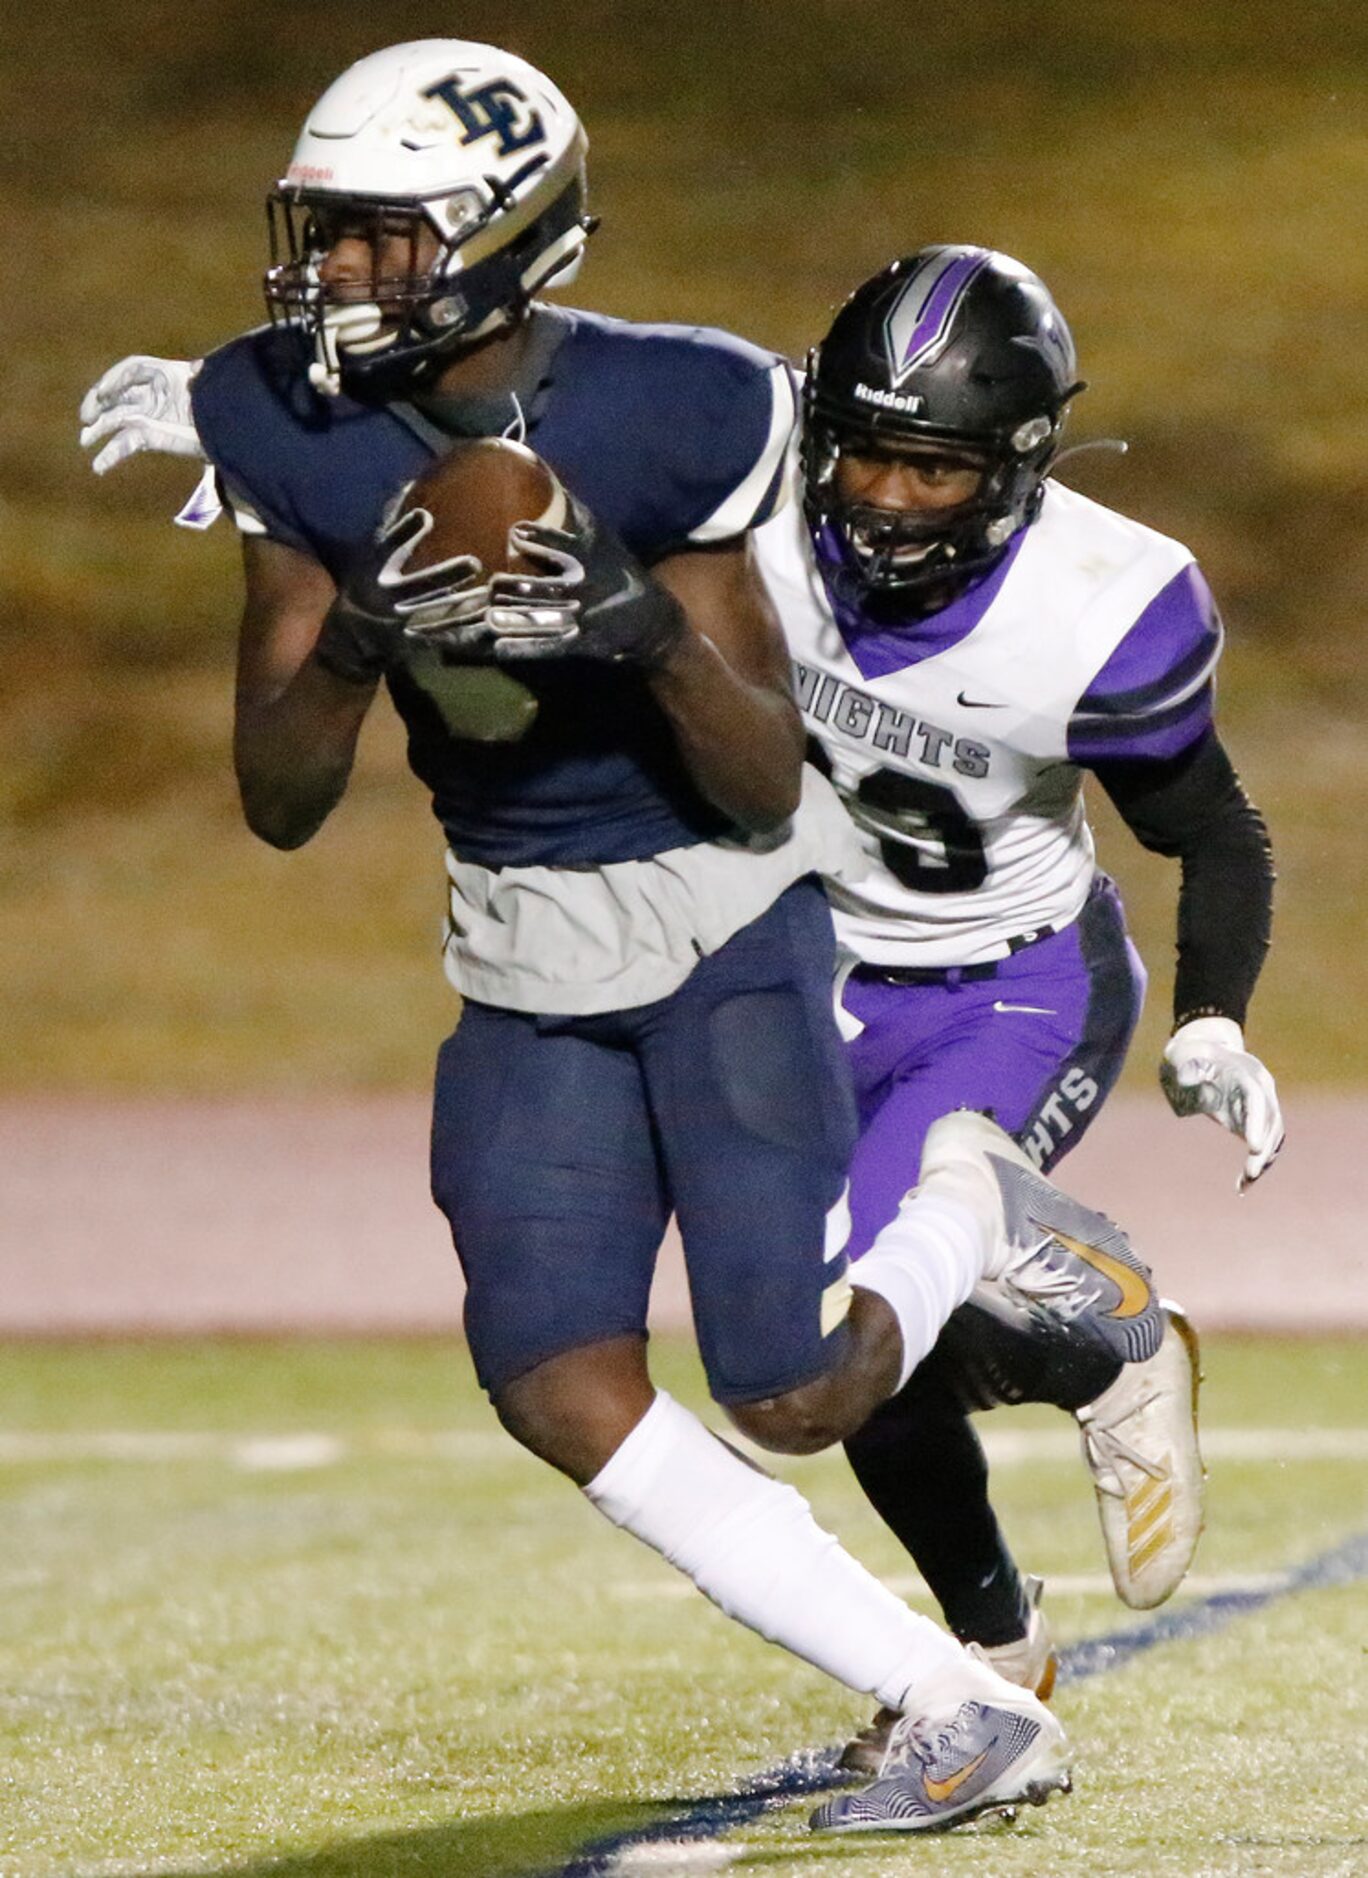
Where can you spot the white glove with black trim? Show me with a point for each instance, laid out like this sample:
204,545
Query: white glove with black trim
142,403
1206,1070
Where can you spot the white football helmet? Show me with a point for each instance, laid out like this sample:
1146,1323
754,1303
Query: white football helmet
462,139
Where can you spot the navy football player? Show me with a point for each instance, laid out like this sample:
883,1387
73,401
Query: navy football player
970,638
636,924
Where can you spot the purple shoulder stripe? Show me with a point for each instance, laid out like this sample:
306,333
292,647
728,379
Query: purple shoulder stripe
1178,634
1154,696
1158,735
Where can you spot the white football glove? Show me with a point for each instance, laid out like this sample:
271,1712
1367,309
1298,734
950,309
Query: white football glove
1206,1070
141,403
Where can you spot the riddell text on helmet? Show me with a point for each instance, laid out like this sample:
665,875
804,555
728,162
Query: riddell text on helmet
895,400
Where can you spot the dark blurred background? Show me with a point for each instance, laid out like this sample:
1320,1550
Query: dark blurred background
1190,181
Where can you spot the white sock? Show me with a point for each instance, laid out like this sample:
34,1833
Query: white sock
751,1545
924,1264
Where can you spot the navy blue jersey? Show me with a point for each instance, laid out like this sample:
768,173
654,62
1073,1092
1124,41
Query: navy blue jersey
674,436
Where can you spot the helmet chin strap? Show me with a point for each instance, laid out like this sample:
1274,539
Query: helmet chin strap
358,331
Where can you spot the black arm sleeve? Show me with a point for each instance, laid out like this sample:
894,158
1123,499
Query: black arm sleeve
1193,807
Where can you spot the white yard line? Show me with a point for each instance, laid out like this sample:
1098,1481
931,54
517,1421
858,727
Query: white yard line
140,1867
671,1858
254,1453
302,1450
1032,1447
1010,1447
655,1590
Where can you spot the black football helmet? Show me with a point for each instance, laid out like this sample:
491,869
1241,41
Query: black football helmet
957,349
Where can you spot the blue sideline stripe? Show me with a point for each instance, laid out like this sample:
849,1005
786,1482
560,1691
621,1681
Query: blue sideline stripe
1096,1655
812,1770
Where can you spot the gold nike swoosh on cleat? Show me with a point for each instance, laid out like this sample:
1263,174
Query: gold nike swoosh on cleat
938,1790
1134,1288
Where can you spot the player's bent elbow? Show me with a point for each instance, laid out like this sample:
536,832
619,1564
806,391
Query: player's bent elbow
275,834
287,793
285,839
767,807
778,810
280,822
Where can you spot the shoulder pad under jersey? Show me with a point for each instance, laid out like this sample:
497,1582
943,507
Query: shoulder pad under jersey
1153,693
675,435
310,471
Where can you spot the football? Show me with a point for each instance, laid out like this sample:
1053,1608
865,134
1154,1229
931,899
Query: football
474,494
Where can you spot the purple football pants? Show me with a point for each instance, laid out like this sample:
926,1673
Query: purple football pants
1040,1044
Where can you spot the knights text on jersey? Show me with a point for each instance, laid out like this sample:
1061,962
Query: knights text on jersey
957,741
673,436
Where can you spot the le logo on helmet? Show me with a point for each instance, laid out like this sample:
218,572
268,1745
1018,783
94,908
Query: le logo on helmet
493,109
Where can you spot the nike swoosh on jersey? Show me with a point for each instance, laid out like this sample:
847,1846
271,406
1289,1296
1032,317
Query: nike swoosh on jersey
1036,1010
1135,1291
939,1790
980,704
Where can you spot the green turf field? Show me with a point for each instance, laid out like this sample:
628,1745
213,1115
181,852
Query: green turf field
306,1603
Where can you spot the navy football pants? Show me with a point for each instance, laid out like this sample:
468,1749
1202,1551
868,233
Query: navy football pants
561,1145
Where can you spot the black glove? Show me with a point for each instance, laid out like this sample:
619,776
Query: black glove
594,601
365,631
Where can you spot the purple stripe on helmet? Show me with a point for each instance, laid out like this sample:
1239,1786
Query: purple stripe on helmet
920,318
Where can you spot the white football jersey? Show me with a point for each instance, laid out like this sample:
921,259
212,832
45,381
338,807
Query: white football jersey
956,742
